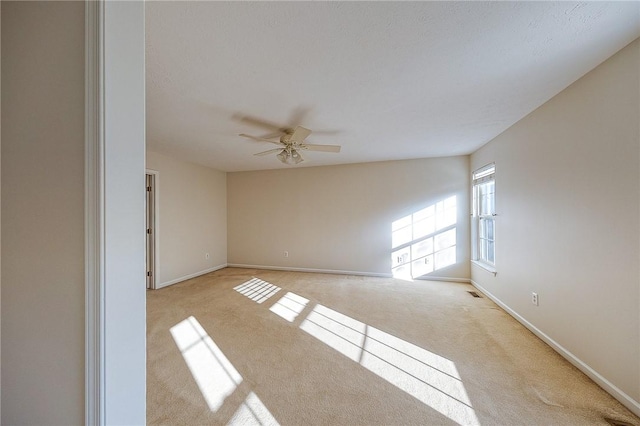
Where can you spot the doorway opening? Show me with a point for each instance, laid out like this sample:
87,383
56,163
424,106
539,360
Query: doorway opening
151,225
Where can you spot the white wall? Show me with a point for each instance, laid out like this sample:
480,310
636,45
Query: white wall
124,298
339,218
42,212
0,221
192,218
568,186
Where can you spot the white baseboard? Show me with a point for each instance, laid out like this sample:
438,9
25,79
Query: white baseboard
447,279
341,272
321,271
605,384
187,277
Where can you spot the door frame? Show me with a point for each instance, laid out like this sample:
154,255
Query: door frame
115,300
156,226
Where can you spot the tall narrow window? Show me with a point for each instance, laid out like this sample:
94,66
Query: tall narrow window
484,212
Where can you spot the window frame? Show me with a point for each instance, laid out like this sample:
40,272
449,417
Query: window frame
479,178
442,224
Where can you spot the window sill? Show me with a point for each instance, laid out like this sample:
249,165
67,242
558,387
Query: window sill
488,268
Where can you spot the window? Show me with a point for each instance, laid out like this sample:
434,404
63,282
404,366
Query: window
484,212
424,241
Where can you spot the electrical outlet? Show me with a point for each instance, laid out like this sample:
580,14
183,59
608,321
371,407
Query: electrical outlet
286,253
206,255
534,298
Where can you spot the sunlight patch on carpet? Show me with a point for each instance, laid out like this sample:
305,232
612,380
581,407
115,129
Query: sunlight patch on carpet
289,306
257,289
253,412
428,377
215,375
342,333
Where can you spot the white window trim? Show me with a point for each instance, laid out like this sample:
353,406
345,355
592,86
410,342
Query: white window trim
485,266
483,174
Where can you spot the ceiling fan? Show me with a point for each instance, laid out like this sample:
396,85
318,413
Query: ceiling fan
291,142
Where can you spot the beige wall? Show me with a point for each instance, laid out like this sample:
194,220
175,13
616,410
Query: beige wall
42,213
568,186
339,218
192,218
0,220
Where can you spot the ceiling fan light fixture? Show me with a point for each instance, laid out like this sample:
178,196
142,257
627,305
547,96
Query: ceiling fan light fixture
283,156
296,157
290,144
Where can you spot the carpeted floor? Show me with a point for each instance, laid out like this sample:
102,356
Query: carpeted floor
247,346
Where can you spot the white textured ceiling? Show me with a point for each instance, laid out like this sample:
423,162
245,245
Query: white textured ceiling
386,80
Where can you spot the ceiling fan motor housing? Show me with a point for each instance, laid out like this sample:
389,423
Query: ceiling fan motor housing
286,138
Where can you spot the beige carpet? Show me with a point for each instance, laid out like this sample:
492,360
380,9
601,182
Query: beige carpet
247,346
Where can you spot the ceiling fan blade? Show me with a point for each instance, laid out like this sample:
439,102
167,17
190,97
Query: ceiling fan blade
273,135
254,121
300,134
299,115
326,132
255,138
323,148
271,151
